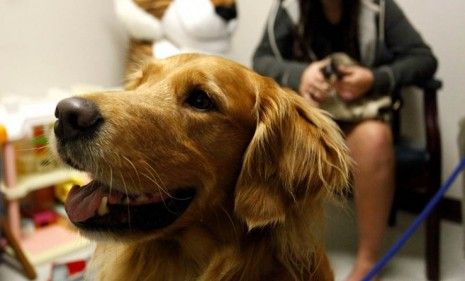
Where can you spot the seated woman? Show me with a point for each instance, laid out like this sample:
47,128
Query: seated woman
390,54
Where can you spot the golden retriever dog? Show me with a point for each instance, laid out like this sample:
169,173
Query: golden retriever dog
202,170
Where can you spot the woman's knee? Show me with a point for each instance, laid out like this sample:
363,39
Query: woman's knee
374,135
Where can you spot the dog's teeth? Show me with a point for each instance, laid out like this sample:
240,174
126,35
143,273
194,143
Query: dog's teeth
103,208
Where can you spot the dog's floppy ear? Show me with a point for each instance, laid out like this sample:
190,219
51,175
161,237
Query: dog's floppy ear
138,72
297,153
136,76
133,80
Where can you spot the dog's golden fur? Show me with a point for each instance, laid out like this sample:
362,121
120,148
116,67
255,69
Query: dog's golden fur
262,161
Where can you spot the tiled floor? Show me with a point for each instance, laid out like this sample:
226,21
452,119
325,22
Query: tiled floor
408,265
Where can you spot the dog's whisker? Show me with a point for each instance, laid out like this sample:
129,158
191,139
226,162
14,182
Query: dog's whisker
160,188
157,185
155,172
236,233
163,191
127,194
93,156
154,177
111,181
132,183
32,148
134,167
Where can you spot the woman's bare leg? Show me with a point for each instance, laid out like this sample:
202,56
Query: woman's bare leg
371,146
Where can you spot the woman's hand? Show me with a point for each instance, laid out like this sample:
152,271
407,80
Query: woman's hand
313,86
355,82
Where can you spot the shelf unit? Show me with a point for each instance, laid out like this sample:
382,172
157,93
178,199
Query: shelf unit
37,181
48,242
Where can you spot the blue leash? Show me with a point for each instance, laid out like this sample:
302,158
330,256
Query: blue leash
411,229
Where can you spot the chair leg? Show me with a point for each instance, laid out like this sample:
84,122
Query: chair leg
393,212
432,251
11,240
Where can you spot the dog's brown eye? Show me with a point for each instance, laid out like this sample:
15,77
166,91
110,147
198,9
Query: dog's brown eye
200,100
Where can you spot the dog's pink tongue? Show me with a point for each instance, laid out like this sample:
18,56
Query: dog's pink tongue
83,202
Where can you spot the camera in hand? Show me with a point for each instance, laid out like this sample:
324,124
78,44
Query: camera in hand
331,71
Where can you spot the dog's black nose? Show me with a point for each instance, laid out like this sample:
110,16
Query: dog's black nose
76,117
226,12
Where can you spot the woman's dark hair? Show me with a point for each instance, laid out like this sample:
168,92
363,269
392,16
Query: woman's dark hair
308,29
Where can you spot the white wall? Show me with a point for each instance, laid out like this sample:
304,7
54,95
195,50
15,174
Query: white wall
442,25
51,43
57,43
252,17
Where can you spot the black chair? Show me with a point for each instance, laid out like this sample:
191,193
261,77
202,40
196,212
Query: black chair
418,173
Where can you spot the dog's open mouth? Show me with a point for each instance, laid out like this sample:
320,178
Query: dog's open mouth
97,208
